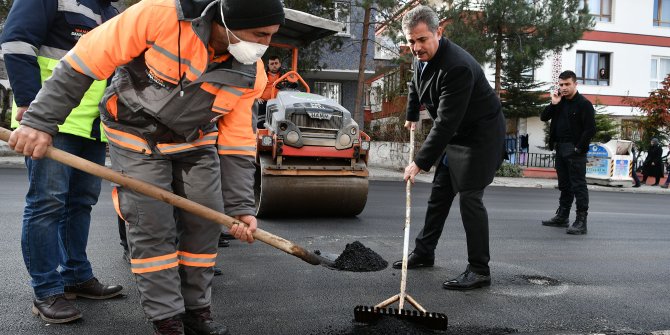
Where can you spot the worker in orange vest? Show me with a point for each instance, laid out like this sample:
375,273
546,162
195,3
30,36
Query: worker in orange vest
273,73
178,114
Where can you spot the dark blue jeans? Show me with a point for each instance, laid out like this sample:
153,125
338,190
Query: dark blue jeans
57,217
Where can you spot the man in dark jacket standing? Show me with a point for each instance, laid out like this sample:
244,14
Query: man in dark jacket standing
467,138
57,213
572,127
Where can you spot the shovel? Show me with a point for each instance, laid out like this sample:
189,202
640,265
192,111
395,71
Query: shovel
419,316
177,201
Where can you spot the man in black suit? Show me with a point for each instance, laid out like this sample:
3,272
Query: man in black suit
573,124
467,138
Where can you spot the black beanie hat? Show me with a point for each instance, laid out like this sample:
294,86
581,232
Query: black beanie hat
241,14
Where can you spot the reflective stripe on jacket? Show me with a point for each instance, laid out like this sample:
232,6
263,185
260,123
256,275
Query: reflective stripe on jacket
36,35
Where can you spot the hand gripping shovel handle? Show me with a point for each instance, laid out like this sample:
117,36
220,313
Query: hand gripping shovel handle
172,199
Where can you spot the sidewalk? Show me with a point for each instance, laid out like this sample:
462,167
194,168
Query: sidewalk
387,174
377,173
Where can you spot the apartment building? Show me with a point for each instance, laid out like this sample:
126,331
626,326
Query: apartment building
627,54
339,79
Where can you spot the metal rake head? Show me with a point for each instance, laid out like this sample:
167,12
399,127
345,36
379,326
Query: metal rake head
368,314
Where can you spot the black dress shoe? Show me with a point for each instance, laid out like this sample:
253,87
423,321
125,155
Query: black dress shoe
415,261
200,322
55,309
217,271
92,289
468,280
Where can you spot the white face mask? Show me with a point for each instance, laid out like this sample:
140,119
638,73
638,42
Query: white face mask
245,52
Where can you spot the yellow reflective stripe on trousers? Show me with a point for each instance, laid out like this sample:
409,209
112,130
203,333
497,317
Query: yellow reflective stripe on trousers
153,264
196,260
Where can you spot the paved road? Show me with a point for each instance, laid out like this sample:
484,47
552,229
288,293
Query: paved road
613,280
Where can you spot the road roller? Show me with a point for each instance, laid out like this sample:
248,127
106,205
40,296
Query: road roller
312,155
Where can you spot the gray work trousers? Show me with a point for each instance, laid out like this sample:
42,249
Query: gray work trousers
172,251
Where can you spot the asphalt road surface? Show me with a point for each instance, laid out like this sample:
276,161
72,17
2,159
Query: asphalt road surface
612,281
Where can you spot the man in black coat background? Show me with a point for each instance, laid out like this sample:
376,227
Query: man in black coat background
653,164
572,126
467,138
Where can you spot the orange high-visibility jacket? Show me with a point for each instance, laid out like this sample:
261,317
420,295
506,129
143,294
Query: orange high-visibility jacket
168,92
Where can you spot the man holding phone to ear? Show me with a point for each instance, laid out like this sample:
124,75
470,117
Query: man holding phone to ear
572,127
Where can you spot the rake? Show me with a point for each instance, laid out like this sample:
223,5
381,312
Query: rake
368,314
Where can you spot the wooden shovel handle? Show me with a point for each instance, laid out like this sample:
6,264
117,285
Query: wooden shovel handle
171,198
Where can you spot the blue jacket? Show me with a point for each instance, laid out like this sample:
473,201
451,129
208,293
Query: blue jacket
37,34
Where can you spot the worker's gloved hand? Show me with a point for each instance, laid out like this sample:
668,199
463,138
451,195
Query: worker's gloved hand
244,232
30,142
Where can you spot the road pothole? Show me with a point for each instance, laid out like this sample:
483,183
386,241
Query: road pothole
540,280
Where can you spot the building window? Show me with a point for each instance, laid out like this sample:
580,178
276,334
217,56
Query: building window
342,10
593,68
660,68
329,90
600,9
662,13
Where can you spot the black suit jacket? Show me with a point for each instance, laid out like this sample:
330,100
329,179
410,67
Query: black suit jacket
468,126
581,118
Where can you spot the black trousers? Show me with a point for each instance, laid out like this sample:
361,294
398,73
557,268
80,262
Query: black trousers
474,216
571,171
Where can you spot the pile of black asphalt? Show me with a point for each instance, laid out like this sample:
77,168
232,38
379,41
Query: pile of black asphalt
358,258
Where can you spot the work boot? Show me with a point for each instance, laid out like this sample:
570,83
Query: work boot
169,326
55,309
579,226
561,219
92,289
200,322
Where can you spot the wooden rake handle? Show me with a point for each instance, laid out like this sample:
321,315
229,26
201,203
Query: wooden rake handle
171,198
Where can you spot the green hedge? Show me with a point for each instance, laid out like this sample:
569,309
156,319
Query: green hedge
509,170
